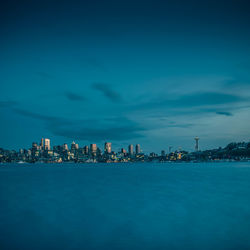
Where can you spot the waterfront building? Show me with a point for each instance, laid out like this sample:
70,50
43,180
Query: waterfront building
42,143
86,150
123,151
74,146
131,149
137,149
93,149
46,144
65,147
107,147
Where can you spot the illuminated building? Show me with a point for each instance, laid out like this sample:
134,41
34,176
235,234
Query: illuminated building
86,150
42,143
107,147
74,146
46,144
123,151
137,149
65,147
93,149
131,149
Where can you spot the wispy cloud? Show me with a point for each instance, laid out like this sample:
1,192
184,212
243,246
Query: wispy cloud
107,91
34,115
7,104
111,128
224,113
74,97
237,82
193,101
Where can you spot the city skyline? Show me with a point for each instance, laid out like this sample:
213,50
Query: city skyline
107,147
44,152
154,73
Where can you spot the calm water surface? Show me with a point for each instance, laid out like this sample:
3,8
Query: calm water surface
125,206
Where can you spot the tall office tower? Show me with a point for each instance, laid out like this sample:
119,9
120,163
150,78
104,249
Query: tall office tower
65,147
131,149
93,149
77,146
73,146
86,150
107,147
42,143
163,153
46,144
196,143
137,149
123,151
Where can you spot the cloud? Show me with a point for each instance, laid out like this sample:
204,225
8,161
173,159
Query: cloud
7,104
116,129
209,98
191,101
184,125
108,92
74,97
110,128
34,115
224,113
118,133
237,82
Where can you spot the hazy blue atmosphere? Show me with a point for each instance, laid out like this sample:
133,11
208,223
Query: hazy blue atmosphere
157,73
125,206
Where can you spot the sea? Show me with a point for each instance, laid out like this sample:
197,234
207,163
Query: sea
125,206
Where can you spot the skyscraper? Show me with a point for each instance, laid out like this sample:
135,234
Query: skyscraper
65,147
93,149
86,150
46,144
123,151
74,146
131,149
42,143
107,147
137,149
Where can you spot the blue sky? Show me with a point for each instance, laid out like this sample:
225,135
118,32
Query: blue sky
157,73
